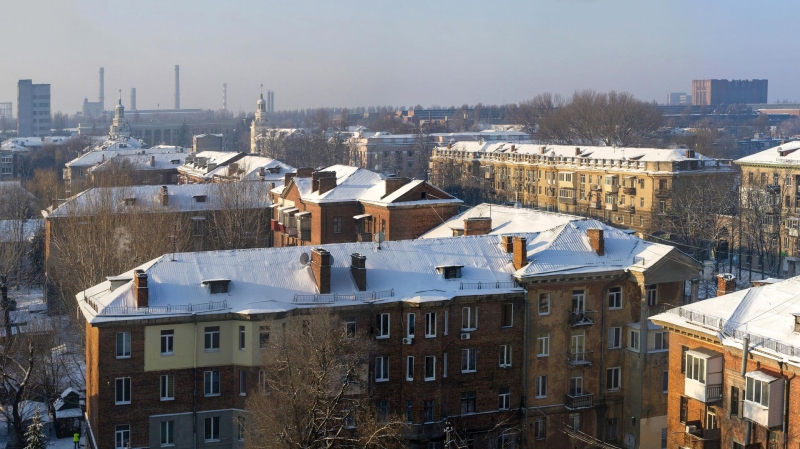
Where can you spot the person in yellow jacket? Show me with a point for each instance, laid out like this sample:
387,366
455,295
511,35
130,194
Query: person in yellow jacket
76,438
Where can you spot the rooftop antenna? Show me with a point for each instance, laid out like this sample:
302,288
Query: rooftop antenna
262,91
120,96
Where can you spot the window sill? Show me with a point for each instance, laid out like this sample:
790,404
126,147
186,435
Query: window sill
540,356
505,366
615,308
381,337
469,329
469,372
211,441
167,399
381,380
167,354
211,350
657,351
430,336
119,357
507,327
430,379
613,390
242,394
540,397
122,403
211,395
168,445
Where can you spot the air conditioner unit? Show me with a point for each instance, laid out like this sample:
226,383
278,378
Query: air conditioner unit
691,429
465,336
407,340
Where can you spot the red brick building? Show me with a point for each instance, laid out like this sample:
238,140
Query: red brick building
348,204
715,399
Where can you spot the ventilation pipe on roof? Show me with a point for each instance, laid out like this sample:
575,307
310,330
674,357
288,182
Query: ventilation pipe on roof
321,268
597,241
726,283
477,225
745,345
164,196
358,268
140,284
507,242
520,252
394,183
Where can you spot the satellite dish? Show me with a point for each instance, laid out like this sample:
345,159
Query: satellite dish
304,258
379,237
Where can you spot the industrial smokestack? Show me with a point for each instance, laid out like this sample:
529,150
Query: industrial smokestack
270,101
133,98
102,90
225,96
177,87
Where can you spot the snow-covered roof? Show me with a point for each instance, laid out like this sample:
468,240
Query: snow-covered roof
274,279
505,220
784,154
149,161
182,198
249,167
766,313
96,156
377,195
197,165
352,183
119,143
19,230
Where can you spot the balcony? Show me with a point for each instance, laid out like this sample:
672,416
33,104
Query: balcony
595,188
364,237
564,200
629,190
702,392
663,192
611,206
579,358
702,438
580,319
595,205
630,209
612,188
579,401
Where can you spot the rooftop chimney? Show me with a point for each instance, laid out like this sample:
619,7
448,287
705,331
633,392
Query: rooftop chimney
577,151
358,268
288,177
164,195
596,241
323,181
140,284
520,252
507,242
321,267
542,150
305,172
177,87
394,183
477,225
726,283
152,160
513,148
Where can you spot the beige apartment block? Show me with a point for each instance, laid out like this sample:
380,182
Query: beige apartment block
625,187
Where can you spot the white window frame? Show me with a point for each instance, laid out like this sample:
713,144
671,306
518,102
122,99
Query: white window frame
122,436
614,337
242,338
615,295
540,387
123,348
540,429
578,299
695,371
166,387
576,386
210,380
504,399
545,296
505,356
614,378
651,292
168,342
122,391
384,322
660,341
469,320
208,338
167,433
634,340
446,322
382,369
212,423
444,364
430,325
543,345
410,368
756,391
242,382
469,360
430,362
411,325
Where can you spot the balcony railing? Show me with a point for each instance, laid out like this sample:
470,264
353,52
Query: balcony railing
629,190
713,393
703,439
580,319
631,209
611,206
663,192
564,200
579,401
579,358
364,237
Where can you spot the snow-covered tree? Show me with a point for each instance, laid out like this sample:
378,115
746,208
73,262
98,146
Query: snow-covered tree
34,436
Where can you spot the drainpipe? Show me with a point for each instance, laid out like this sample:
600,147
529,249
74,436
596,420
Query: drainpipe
786,409
603,335
194,393
527,360
748,432
745,346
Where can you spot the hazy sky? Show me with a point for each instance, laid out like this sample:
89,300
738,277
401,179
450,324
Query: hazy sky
400,53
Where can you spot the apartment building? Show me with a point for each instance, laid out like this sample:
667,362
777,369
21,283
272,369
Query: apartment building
33,109
127,149
216,166
714,92
770,204
347,204
733,368
626,187
550,325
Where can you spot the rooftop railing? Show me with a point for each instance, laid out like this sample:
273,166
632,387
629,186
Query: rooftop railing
488,285
101,310
335,297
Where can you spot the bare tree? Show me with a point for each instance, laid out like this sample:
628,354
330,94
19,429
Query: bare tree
316,391
530,113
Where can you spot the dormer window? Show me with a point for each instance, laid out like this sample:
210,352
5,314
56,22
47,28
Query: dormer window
450,271
175,161
274,169
797,322
217,286
199,198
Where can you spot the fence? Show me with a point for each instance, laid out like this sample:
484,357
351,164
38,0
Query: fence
332,298
155,310
488,285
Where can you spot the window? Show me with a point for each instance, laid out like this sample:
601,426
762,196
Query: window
540,387
504,399
263,385
613,378
446,322
540,428
543,345
263,336
651,290
566,193
381,369
507,320
612,429
452,272
242,337
122,436
684,410
711,419
575,422
383,325
409,411
242,382
123,345
122,391
167,433
211,383
469,318
544,303
578,301
734,406
505,356
427,410
430,324
615,298
240,428
757,391
382,410
337,225
468,360
444,365
467,402
614,337
660,341
411,328
430,367
641,202
212,428
576,386
633,339
167,387
695,368
683,358
212,338
410,368
665,381
167,342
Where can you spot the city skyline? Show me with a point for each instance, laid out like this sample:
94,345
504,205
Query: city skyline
314,54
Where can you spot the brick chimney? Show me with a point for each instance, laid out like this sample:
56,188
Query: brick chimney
358,268
513,148
394,183
726,283
597,241
164,196
152,161
323,181
520,252
542,150
288,177
477,225
305,172
321,267
507,243
140,284
577,151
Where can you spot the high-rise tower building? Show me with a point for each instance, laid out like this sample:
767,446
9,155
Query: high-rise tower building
33,109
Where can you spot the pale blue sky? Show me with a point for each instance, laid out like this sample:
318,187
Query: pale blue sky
360,53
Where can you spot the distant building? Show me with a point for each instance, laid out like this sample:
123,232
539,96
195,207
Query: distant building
716,92
678,99
33,109
96,108
6,110
207,142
